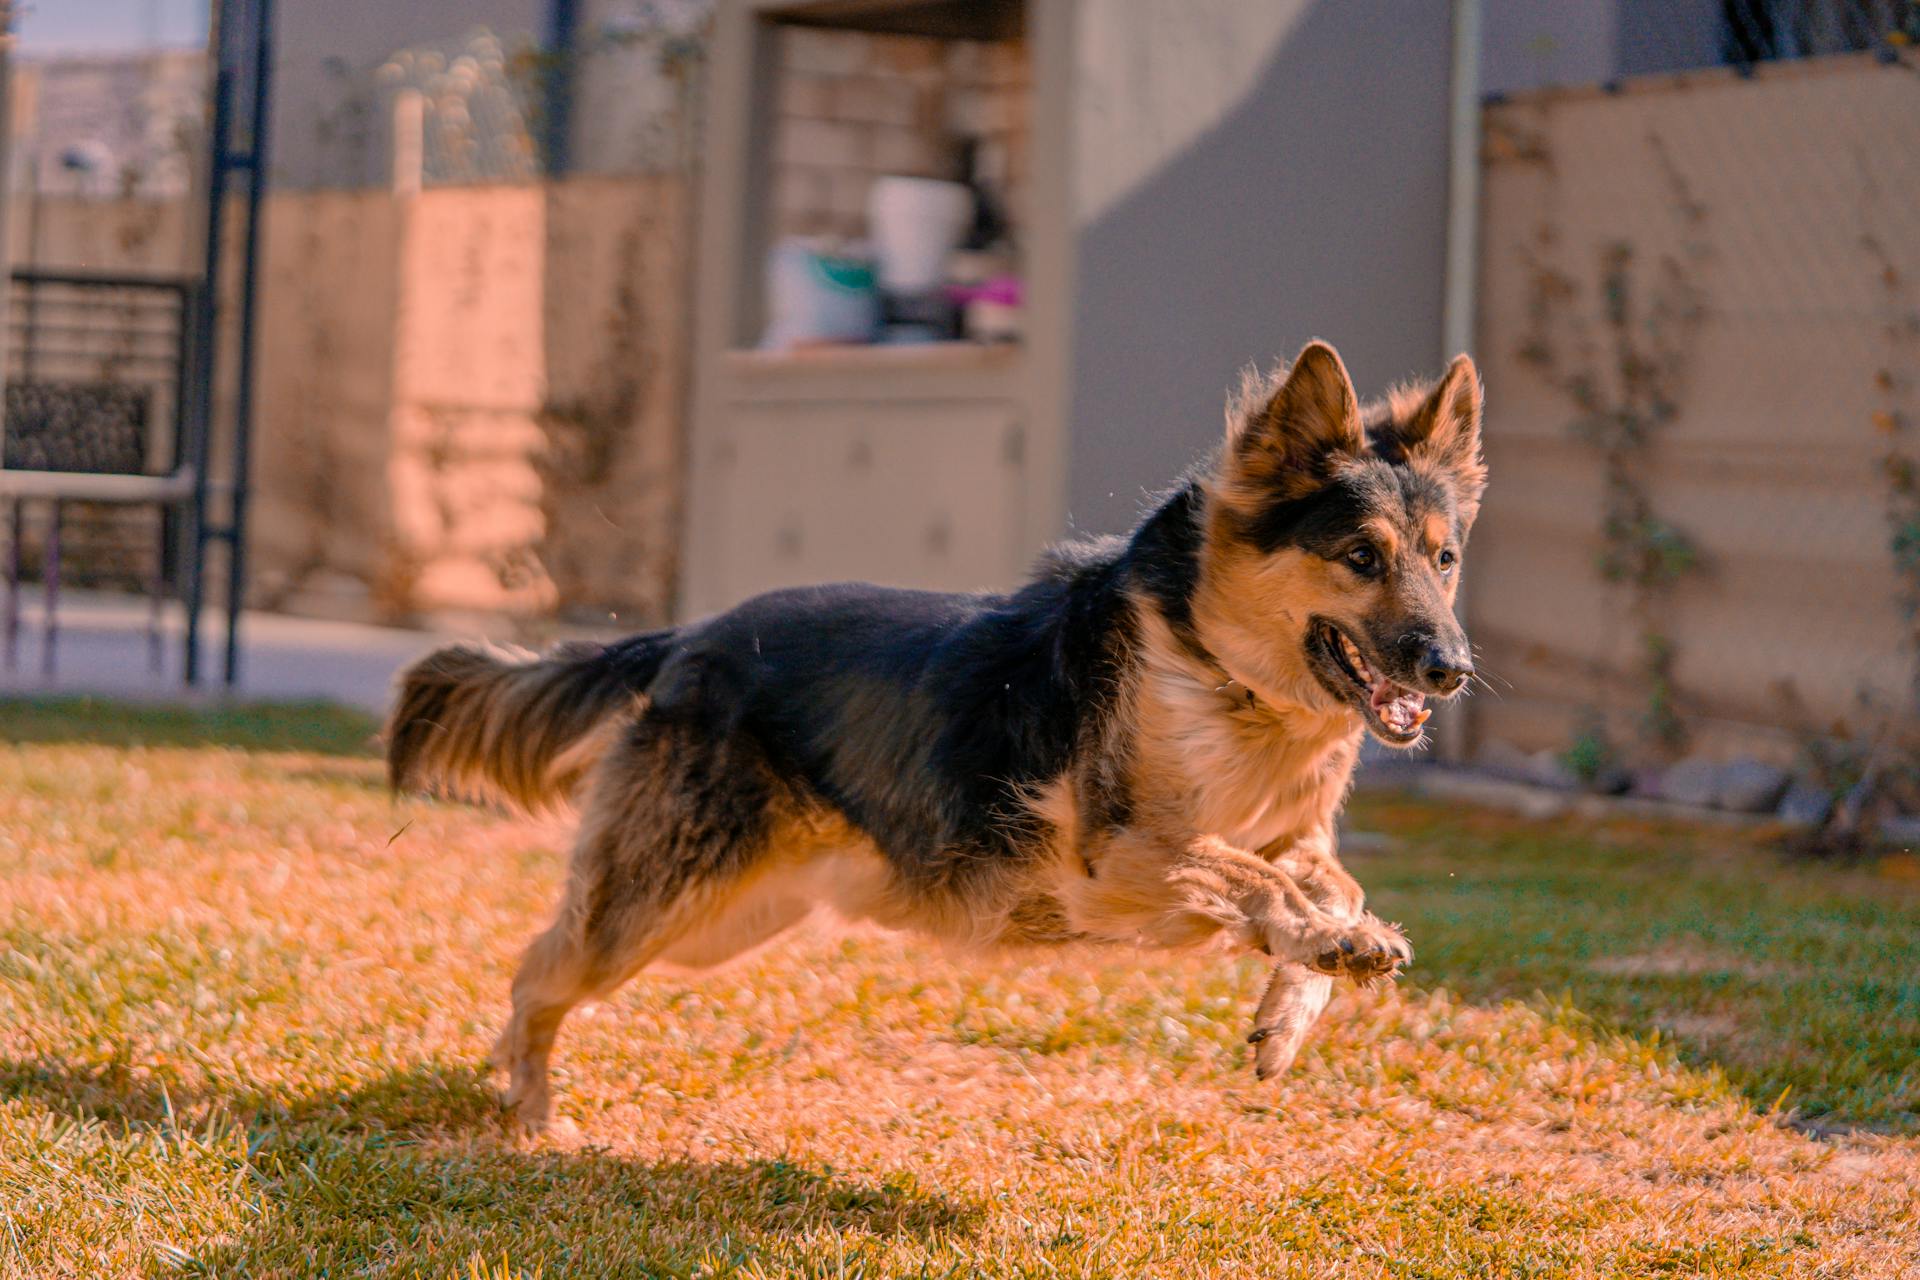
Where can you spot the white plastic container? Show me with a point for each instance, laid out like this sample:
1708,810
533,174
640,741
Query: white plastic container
914,224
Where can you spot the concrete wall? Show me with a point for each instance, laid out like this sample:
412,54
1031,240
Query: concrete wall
330,127
471,401
322,517
86,234
1788,201
1248,177
616,365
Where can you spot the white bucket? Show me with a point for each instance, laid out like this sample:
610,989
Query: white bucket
914,224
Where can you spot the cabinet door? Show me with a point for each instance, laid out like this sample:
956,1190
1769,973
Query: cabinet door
902,493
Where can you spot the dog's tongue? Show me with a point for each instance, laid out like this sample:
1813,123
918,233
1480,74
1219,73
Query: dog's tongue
1404,709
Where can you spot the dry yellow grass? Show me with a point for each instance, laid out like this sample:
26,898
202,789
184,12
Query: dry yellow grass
245,998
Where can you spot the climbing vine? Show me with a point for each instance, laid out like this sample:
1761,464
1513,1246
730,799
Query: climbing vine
1619,351
1892,418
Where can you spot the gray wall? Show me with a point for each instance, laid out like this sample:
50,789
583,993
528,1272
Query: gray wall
330,126
1532,44
1314,207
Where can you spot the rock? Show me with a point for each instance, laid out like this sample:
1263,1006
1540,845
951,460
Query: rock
1805,805
1646,784
1504,760
1547,769
1751,786
1612,780
1902,829
1692,781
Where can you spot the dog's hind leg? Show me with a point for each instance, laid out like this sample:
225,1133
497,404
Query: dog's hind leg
586,956
676,826
555,974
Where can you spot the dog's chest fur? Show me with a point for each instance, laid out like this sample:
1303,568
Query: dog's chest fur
1221,764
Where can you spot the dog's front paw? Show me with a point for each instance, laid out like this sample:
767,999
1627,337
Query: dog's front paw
1366,951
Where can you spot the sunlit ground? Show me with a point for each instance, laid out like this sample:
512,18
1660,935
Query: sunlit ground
245,997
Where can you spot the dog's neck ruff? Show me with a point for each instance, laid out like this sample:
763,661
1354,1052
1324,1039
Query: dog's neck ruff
1197,650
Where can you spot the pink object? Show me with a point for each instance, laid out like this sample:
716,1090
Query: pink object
1002,290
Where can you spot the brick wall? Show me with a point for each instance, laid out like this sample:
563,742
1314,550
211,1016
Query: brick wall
853,106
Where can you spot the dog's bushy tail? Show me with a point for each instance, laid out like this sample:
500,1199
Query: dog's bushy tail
506,724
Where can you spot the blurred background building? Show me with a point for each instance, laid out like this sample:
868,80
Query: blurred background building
518,285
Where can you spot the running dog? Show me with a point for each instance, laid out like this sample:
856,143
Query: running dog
1148,743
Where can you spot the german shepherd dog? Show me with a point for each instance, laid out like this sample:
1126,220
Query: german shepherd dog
1148,743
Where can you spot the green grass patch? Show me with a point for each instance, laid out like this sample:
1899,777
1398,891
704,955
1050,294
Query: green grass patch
324,728
246,999
1800,979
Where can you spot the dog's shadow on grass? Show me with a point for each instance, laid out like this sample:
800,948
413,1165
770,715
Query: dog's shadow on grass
420,1163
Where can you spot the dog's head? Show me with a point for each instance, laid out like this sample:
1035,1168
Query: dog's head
1334,541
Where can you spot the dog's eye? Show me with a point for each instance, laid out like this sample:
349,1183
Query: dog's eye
1447,559
1363,559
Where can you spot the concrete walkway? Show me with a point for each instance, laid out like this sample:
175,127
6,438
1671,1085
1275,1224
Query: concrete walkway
102,649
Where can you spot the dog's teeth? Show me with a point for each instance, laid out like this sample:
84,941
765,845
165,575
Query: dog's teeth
1425,715
1358,663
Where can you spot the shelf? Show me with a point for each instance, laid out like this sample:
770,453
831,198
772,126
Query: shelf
879,357
941,19
921,372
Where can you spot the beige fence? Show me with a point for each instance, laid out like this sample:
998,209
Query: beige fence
471,398
1700,328
469,401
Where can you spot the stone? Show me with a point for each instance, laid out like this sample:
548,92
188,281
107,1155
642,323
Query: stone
827,53
1547,769
1751,786
808,96
1901,829
1647,784
1692,781
1805,805
822,143
1502,759
1612,780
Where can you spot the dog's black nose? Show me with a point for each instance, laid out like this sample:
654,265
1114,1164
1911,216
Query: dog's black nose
1440,664
1446,669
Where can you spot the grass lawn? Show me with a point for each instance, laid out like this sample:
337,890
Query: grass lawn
245,998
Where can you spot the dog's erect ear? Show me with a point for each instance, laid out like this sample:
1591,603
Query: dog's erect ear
1445,432
1283,434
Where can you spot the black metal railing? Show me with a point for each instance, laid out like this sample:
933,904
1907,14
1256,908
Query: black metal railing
97,372
1774,30
99,383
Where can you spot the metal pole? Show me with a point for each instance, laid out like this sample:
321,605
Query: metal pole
249,296
50,584
206,332
1455,730
6,190
563,22
11,624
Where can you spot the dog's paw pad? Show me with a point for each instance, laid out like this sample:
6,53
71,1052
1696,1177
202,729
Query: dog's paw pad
1372,952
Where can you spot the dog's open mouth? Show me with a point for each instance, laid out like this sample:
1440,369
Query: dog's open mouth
1393,712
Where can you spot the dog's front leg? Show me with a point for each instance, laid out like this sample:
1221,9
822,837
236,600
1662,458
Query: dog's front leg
1306,912
1313,864
1275,914
1166,891
1295,998
1296,995
1147,888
